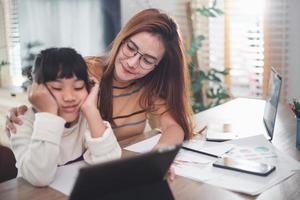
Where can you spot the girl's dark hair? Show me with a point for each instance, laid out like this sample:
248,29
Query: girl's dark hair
53,63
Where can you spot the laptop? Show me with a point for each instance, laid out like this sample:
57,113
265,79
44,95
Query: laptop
137,177
224,133
272,101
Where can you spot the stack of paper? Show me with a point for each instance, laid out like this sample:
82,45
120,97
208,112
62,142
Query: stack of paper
207,148
198,166
256,148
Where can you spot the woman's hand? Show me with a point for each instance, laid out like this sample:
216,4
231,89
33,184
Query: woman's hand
90,103
41,98
12,117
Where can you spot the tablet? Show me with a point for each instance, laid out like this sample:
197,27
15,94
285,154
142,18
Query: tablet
100,180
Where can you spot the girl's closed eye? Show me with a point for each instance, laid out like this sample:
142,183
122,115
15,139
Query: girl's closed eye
79,88
56,88
79,85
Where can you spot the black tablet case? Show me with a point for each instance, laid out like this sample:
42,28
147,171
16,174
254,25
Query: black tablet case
138,177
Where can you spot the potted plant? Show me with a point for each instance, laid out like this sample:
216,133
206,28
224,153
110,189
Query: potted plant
206,84
28,60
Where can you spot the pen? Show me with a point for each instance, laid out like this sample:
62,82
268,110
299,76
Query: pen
206,153
199,151
201,130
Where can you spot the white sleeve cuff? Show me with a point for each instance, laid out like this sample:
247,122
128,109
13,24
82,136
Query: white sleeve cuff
48,127
105,146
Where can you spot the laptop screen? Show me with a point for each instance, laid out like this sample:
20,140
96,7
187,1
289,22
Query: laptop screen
272,100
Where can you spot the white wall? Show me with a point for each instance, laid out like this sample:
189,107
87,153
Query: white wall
175,8
75,23
294,49
131,7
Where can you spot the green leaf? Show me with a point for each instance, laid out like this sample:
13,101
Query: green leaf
3,63
195,44
204,11
214,4
215,78
211,14
218,11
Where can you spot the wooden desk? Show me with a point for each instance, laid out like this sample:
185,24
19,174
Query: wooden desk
247,112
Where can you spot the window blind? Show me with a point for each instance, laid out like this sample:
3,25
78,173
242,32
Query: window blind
3,42
250,37
201,27
11,45
276,42
246,51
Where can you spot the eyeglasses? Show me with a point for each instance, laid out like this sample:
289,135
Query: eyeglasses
130,49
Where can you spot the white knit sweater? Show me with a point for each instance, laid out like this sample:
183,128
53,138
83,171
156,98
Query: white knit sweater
42,143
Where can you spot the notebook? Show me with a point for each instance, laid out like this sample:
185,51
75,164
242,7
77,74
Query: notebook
127,178
269,117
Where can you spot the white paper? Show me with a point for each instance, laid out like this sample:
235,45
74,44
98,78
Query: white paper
246,183
66,176
217,149
188,163
145,145
260,149
254,148
199,167
192,165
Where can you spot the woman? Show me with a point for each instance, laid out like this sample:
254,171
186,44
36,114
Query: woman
143,76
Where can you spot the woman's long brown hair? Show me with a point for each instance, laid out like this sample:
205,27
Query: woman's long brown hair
169,80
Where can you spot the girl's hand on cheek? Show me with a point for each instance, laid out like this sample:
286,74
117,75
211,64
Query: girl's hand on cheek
91,100
41,98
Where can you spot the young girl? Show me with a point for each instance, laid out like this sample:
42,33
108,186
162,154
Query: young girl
63,123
